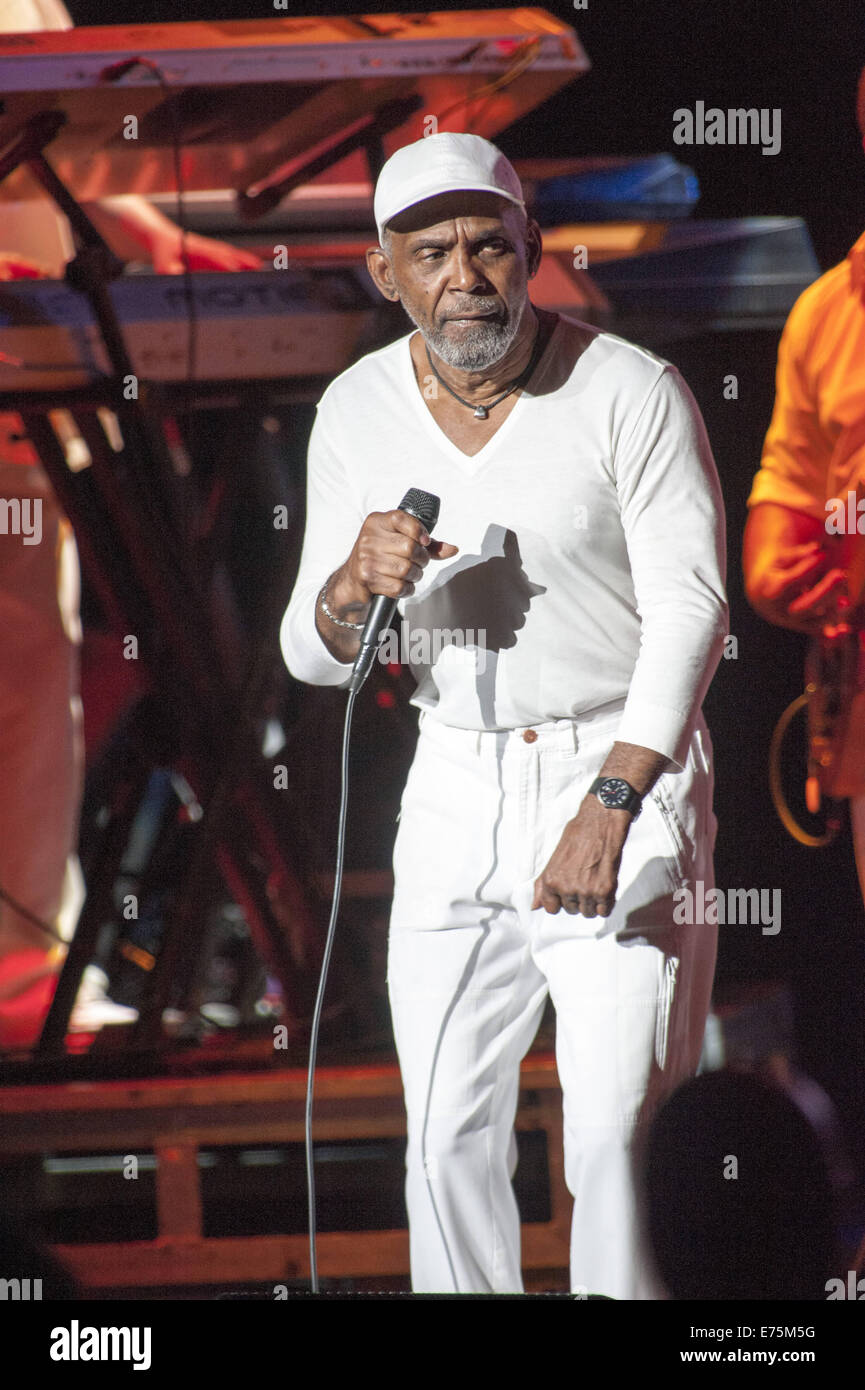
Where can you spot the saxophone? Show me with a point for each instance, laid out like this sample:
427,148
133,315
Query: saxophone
834,696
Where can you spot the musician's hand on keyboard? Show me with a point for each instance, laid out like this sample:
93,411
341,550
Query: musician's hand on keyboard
203,253
131,225
15,267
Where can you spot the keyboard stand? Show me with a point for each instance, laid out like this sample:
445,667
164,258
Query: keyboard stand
207,679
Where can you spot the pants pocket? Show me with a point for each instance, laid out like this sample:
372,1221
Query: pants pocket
674,832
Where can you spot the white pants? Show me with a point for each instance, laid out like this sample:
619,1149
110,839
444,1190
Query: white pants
470,966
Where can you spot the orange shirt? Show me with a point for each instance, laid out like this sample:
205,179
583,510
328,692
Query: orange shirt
815,446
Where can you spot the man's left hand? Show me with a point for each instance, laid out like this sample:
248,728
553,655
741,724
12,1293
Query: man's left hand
583,872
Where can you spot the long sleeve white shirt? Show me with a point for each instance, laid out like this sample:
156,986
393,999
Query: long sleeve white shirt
591,565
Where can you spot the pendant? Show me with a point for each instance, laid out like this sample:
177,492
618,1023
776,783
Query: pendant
481,412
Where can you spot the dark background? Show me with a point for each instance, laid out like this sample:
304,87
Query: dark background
648,59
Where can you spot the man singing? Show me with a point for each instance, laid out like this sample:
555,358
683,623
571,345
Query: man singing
561,788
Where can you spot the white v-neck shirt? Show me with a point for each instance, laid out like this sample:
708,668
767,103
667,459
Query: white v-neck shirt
591,565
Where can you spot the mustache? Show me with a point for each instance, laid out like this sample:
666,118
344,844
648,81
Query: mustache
476,307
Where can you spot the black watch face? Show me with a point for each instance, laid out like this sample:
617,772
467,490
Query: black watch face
615,793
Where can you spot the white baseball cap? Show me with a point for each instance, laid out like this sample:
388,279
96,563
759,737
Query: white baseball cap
442,163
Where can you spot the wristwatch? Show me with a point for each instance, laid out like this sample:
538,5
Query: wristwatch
617,794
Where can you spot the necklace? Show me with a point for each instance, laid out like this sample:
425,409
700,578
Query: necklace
481,412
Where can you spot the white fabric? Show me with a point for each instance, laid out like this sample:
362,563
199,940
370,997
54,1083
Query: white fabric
30,16
591,541
41,725
591,560
469,969
442,163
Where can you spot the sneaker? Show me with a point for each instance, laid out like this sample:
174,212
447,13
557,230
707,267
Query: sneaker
93,1009
223,1015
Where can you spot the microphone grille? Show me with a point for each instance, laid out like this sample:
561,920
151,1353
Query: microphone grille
423,505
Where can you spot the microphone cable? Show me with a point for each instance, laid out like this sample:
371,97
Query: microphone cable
425,507
319,999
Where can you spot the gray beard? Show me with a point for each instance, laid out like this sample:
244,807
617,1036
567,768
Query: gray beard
482,346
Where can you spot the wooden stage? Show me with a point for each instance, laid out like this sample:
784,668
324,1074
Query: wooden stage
173,1118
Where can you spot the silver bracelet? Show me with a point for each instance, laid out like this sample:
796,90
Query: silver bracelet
340,622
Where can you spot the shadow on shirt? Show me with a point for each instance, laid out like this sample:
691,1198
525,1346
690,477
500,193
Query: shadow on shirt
484,598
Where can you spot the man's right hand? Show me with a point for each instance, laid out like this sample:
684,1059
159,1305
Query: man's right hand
389,557
789,576
800,589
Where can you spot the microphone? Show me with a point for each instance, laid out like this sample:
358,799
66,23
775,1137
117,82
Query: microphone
424,506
